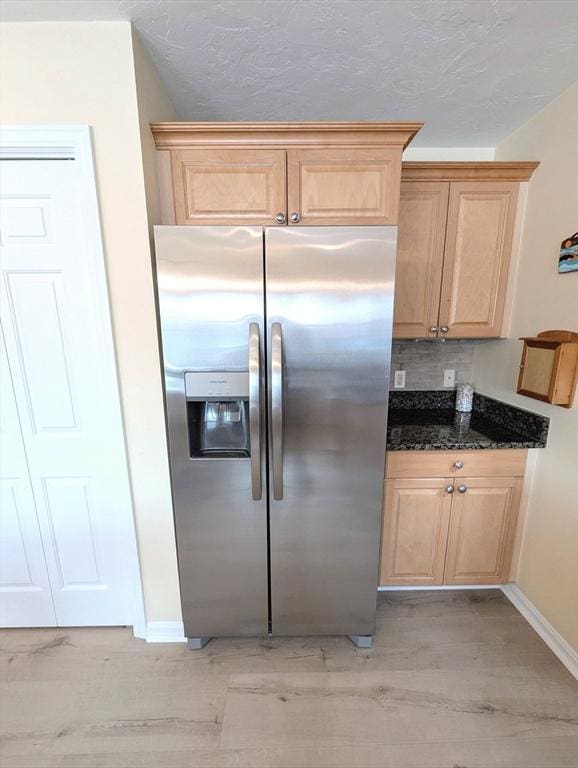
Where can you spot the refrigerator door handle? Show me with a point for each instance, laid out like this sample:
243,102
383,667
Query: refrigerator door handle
255,409
277,409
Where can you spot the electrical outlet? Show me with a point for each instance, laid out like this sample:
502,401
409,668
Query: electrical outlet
449,377
399,380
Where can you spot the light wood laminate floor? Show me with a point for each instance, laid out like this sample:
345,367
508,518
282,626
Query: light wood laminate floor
455,680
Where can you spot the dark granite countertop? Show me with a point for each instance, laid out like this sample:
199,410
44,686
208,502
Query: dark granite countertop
426,421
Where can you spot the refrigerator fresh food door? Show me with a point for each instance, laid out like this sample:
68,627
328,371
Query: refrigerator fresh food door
329,299
210,293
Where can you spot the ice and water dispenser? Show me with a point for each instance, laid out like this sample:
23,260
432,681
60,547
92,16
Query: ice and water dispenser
218,414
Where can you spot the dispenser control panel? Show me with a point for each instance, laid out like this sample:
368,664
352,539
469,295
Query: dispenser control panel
202,385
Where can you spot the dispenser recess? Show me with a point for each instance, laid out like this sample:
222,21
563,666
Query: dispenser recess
217,414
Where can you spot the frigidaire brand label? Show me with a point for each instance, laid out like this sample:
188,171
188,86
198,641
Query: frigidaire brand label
201,385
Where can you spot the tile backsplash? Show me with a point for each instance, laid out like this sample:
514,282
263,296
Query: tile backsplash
424,362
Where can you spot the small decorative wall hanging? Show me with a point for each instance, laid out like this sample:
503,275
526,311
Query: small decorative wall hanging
549,367
568,259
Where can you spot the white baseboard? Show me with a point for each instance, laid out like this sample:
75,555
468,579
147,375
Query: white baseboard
553,639
437,587
165,632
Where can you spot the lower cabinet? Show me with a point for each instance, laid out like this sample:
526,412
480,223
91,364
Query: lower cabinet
415,531
448,530
482,527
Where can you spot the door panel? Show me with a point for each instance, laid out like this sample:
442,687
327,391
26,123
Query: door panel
60,353
343,186
482,527
479,235
210,283
25,599
420,254
70,516
331,292
238,186
43,349
416,517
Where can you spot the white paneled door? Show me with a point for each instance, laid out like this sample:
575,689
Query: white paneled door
66,522
25,598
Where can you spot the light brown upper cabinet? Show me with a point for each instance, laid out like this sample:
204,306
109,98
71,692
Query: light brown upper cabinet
222,186
456,226
281,173
420,257
479,234
343,186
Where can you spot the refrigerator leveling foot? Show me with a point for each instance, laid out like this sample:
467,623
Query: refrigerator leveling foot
196,643
362,641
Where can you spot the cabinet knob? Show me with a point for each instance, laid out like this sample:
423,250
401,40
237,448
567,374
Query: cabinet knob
462,488
444,329
459,464
280,218
295,217
449,489
434,329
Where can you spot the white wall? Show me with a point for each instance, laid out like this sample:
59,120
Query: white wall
448,153
84,73
156,527
153,106
544,300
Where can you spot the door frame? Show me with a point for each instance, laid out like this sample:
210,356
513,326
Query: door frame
74,142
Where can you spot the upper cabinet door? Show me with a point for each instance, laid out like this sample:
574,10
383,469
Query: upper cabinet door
420,254
229,186
343,186
479,234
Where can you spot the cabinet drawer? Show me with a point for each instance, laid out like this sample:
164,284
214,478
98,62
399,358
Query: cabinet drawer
484,463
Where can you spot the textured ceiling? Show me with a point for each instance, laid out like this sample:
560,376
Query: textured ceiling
473,70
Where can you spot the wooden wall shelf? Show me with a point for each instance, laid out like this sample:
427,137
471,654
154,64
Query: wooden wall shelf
549,367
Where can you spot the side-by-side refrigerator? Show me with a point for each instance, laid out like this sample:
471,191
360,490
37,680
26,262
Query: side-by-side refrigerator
276,345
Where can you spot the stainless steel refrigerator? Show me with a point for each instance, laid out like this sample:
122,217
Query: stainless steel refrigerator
276,345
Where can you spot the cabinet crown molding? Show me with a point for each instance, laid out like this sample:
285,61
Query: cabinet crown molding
479,170
184,134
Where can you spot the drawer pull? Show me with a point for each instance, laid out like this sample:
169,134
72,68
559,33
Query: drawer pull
459,464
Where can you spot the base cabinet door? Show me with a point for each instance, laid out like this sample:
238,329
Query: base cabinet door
229,186
343,186
415,530
482,527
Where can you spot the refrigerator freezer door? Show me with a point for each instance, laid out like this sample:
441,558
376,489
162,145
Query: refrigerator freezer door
210,287
329,297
